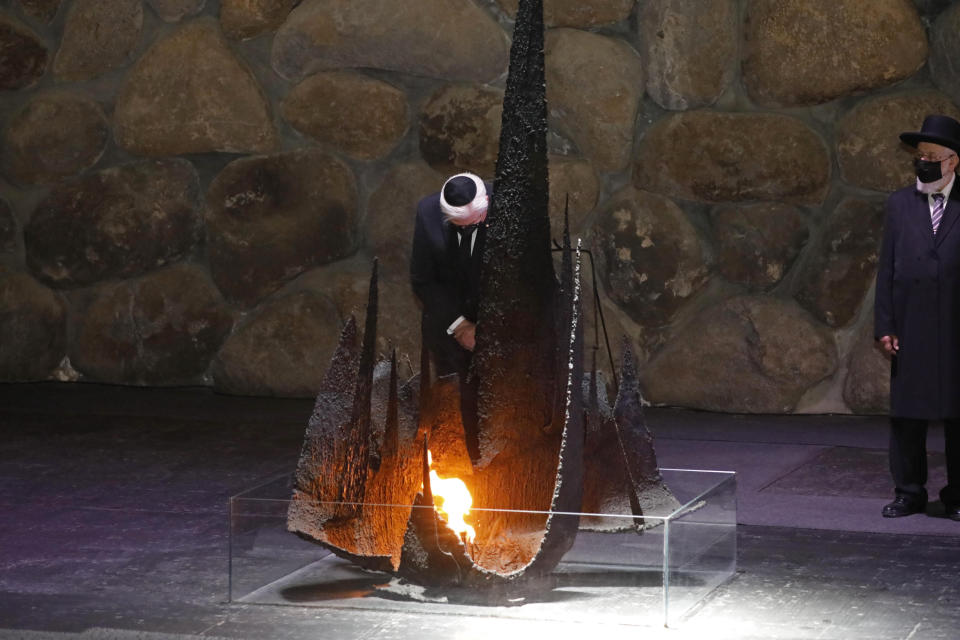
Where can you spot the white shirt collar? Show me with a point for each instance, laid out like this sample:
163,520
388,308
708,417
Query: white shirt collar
945,191
473,238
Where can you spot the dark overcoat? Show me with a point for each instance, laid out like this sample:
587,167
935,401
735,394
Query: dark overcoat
444,291
917,301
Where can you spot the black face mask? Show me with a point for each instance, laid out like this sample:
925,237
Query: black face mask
927,170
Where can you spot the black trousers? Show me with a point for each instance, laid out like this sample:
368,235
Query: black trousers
908,458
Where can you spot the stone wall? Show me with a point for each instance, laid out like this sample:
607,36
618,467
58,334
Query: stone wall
193,191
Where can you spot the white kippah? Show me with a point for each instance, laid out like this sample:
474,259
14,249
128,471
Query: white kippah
471,213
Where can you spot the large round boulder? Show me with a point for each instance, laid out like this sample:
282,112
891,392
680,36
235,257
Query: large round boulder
757,243
190,94
33,329
116,223
945,51
347,284
55,135
356,114
744,355
869,150
576,13
866,389
163,328
460,129
690,50
269,218
23,56
719,157
242,19
800,52
99,35
653,260
594,87
282,350
392,211
838,274
445,39
576,179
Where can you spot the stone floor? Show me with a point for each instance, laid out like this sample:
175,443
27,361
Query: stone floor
114,525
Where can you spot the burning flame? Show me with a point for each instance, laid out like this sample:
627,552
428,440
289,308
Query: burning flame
453,501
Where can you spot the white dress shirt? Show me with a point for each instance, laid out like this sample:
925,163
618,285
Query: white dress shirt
946,195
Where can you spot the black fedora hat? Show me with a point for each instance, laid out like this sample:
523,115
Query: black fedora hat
942,130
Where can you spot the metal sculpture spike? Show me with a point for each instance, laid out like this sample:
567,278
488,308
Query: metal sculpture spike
648,493
353,483
514,354
391,430
335,481
368,440
564,308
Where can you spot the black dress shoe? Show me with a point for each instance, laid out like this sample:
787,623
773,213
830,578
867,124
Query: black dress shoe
952,511
904,506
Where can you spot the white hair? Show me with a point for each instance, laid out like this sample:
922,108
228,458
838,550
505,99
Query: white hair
471,213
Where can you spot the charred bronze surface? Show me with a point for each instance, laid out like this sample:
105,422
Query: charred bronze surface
648,494
352,481
514,356
336,466
367,442
621,462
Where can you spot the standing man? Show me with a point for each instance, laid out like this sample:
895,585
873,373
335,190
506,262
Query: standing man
917,316
448,241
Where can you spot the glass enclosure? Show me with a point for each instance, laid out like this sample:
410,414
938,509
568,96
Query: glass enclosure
621,569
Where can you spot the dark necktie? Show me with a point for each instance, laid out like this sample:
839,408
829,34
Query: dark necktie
939,204
466,237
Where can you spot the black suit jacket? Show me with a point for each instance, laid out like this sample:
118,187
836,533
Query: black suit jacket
918,300
445,292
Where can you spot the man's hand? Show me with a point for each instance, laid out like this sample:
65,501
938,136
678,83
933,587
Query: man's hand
465,334
890,344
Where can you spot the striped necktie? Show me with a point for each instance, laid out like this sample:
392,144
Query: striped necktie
939,204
